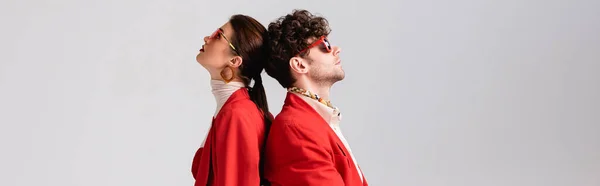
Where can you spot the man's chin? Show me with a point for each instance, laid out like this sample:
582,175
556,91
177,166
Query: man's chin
341,76
338,78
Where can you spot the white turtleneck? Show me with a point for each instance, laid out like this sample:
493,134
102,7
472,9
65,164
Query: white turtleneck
222,91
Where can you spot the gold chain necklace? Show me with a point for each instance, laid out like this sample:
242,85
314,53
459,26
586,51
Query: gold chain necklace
313,96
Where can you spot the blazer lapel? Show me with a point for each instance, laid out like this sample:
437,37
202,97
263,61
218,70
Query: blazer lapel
294,100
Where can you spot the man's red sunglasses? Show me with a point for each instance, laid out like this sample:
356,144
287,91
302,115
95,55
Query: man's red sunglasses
322,40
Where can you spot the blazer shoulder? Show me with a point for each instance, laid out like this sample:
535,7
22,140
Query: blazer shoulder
240,107
302,123
240,104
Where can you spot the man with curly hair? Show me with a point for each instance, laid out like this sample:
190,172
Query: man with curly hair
305,144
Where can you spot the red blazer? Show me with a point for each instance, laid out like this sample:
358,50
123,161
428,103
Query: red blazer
231,154
302,149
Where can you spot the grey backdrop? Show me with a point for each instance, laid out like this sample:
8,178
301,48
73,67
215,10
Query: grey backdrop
437,93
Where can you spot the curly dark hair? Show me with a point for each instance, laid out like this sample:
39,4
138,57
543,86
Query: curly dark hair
288,35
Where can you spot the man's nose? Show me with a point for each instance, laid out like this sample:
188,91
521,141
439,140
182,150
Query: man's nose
336,50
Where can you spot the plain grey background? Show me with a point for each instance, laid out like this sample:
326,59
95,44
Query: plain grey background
437,93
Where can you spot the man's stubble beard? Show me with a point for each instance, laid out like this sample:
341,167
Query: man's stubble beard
323,79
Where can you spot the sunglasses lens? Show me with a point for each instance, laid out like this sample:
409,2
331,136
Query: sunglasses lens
327,45
214,34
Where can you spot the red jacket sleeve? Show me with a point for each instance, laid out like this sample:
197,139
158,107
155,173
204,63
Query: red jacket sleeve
237,149
296,158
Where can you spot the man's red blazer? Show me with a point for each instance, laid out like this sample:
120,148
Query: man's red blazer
302,149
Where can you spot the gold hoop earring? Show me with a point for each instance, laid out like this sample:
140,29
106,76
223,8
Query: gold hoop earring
227,80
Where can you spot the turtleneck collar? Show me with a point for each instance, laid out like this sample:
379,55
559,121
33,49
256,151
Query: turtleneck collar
222,91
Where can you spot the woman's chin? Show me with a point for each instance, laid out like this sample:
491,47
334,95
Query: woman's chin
201,60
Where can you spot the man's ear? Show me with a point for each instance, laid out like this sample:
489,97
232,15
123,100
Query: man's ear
298,65
235,62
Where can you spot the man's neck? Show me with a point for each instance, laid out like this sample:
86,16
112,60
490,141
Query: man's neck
321,90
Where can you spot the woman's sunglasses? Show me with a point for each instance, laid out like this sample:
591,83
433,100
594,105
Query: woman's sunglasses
218,34
326,47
